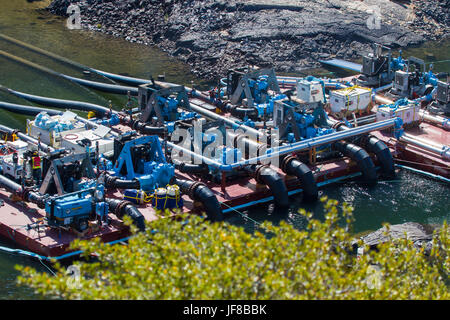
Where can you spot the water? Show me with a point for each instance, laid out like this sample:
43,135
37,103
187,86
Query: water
409,198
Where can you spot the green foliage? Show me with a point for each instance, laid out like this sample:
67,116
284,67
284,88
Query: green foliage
195,259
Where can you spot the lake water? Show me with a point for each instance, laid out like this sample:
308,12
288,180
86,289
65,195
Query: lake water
408,198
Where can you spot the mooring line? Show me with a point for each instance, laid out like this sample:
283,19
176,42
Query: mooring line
259,224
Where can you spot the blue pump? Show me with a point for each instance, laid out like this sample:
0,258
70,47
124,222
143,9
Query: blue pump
144,160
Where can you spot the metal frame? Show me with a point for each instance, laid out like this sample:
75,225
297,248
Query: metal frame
243,85
152,103
53,172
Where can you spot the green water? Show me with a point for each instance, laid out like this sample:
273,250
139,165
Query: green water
409,198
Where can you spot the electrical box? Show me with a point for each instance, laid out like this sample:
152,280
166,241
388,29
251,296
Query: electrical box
350,99
408,113
310,91
401,83
74,141
18,145
50,128
443,92
10,169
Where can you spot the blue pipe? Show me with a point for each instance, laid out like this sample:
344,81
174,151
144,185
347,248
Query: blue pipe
293,147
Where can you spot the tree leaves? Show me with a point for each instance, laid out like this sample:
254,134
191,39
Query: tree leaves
190,258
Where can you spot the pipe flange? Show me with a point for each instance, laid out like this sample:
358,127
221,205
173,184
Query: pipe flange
364,139
181,166
195,185
119,209
258,173
110,181
237,137
337,125
286,161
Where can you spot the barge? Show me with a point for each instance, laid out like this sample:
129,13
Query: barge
258,138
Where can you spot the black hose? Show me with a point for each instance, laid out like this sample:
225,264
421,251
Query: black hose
361,157
375,145
146,129
105,87
198,191
60,103
116,183
121,208
383,154
27,110
190,168
241,112
265,175
294,167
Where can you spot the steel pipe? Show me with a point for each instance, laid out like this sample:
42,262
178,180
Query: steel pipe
291,148
443,151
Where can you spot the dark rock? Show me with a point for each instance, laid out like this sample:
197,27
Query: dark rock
420,234
214,35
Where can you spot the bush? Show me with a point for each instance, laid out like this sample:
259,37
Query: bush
194,259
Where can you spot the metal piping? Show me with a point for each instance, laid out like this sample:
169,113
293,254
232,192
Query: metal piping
27,138
444,122
291,148
443,151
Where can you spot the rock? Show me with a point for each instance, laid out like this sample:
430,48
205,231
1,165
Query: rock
421,235
214,35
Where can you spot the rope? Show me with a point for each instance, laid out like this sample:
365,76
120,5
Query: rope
48,268
258,224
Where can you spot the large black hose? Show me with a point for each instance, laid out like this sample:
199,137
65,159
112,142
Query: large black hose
60,103
200,192
383,154
121,208
265,175
242,112
375,145
27,110
361,157
148,130
105,87
190,168
116,183
294,167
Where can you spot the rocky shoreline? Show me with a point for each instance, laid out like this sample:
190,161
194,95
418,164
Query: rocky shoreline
215,35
